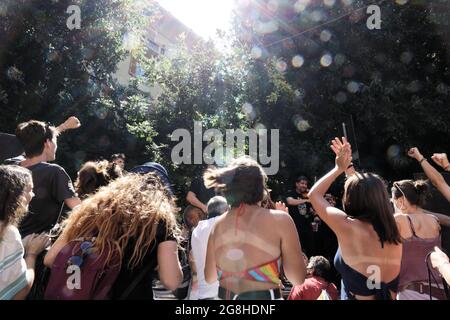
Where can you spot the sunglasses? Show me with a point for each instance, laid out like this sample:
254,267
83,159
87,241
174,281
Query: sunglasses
78,260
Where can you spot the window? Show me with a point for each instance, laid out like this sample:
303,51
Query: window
152,46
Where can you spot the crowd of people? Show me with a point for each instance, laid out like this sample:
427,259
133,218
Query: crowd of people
116,234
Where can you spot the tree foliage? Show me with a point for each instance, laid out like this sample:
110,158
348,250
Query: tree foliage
392,82
300,69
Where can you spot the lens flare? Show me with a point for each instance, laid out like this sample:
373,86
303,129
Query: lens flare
297,61
326,60
256,52
325,35
281,66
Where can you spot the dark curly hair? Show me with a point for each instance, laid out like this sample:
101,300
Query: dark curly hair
13,181
320,267
95,174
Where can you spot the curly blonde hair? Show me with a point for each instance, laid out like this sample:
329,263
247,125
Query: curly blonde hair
129,208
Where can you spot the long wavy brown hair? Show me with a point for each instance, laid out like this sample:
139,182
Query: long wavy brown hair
13,181
128,209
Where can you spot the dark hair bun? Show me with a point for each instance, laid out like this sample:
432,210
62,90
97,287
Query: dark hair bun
422,189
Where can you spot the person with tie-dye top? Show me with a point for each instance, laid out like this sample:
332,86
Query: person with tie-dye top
248,244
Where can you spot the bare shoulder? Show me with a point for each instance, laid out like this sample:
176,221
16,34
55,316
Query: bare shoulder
218,222
433,220
279,216
400,217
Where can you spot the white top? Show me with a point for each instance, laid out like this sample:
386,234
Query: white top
199,244
13,269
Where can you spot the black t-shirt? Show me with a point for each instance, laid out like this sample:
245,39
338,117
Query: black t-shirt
143,289
302,214
52,185
201,192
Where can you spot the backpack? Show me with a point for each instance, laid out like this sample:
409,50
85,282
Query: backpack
78,273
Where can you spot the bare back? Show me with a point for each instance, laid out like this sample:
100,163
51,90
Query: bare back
426,226
361,250
247,238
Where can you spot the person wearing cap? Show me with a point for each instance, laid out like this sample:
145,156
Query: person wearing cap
159,170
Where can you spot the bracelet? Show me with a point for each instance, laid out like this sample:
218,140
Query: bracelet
423,159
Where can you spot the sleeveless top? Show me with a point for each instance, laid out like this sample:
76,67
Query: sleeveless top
267,272
356,283
415,251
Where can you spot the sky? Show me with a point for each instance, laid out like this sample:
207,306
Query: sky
202,16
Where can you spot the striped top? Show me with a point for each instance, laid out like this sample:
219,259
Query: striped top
12,264
266,272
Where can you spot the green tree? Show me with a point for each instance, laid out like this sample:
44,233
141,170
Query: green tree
393,82
50,72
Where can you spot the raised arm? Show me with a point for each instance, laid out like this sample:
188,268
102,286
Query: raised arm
435,177
333,217
70,123
441,160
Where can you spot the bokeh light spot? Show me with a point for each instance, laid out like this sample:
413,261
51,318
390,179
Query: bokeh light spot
353,87
297,61
256,52
301,5
281,66
325,35
326,60
341,97
406,57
